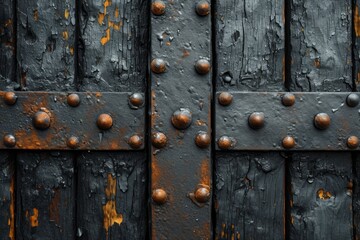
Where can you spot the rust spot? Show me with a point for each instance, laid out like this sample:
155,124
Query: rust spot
72,50
358,78
110,215
115,25
67,14
65,35
117,14
357,21
317,62
200,122
54,207
101,17
106,38
323,195
205,172
186,53
11,220
168,43
36,15
33,218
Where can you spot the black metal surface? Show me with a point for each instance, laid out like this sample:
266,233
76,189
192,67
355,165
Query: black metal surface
66,121
296,121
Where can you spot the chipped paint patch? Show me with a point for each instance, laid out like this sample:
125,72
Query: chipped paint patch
34,222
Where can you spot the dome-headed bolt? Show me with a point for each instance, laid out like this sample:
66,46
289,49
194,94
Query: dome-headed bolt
225,98
353,100
225,143
136,100
202,139
9,140
202,194
73,142
135,141
10,98
158,65
104,121
288,99
202,66
158,8
41,120
158,139
322,121
353,142
181,119
159,196
73,100
202,8
257,120
288,142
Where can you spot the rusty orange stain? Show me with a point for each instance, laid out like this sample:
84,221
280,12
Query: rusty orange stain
67,14
36,15
106,38
110,215
323,195
115,25
54,207
33,218
65,35
317,62
101,17
357,21
11,220
205,172
117,13
72,50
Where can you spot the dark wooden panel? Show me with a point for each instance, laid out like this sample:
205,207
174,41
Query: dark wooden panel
250,42
250,195
112,200
7,196
320,198
112,57
356,46
355,187
45,196
46,48
321,46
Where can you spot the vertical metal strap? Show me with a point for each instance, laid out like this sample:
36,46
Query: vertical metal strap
180,120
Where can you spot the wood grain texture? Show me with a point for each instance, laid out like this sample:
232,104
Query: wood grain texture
250,43
45,196
356,45
250,196
111,195
321,45
355,187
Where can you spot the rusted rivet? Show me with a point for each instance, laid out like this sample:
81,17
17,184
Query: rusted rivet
202,8
225,143
202,194
353,100
288,142
136,100
353,142
158,65
288,99
73,100
104,121
322,121
202,66
158,8
181,119
10,98
225,98
135,141
41,120
73,142
257,120
159,196
202,139
9,140
158,140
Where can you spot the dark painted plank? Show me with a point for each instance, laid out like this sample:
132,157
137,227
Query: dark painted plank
113,57
112,196
7,45
250,195
321,46
250,42
250,45
45,196
7,196
355,187
320,198
46,32
356,46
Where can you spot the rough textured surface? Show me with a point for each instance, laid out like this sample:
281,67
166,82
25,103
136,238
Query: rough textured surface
321,196
249,196
112,200
180,37
321,45
46,44
250,43
114,45
356,197
356,46
45,196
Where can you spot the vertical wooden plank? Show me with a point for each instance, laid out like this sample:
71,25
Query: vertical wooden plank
356,197
356,46
45,192
250,191
321,61
112,186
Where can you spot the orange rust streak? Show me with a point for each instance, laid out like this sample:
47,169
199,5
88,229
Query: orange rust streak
101,17
115,25
205,172
106,38
117,14
36,15
317,62
34,218
11,221
357,21
110,215
54,207
66,13
65,35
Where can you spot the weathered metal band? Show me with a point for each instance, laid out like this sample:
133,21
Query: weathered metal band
288,127
57,120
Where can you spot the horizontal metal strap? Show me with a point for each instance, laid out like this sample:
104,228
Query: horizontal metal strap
296,121
83,121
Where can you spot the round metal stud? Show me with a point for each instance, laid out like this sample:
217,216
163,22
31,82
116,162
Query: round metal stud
135,141
257,120
104,121
353,100
73,100
225,98
158,65
158,8
322,121
225,143
10,98
73,142
136,100
41,120
158,140
9,140
353,142
202,66
288,99
202,194
202,8
288,142
202,140
159,196
181,119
